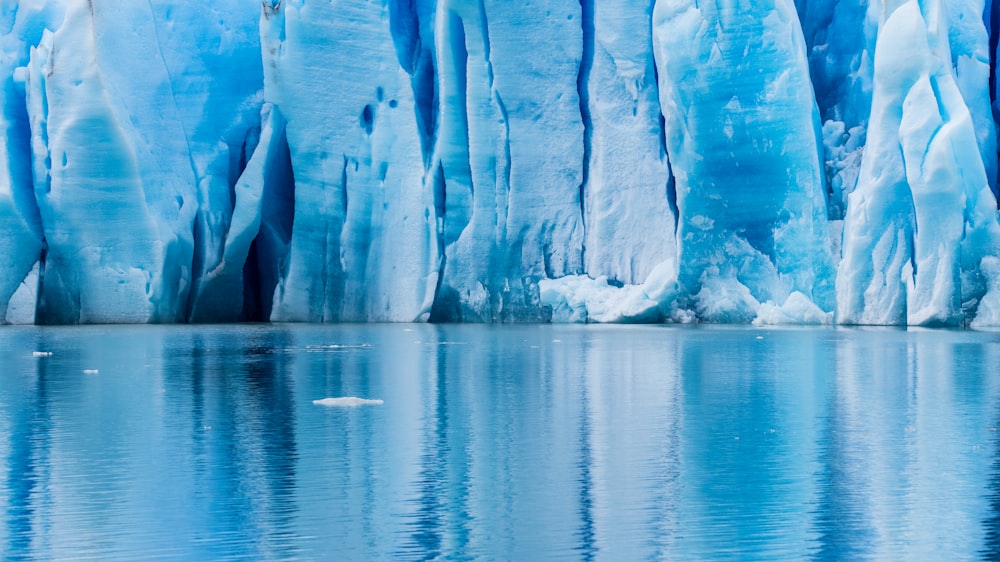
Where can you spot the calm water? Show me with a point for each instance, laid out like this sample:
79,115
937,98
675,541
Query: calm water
499,443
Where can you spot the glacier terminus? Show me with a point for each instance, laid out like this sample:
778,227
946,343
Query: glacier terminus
774,162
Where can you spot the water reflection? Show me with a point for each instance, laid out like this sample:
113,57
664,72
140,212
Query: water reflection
499,442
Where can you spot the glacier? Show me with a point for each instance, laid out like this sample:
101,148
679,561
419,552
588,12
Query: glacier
774,162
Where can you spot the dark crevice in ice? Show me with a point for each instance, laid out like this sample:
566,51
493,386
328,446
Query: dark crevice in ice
672,199
583,91
671,185
343,187
368,119
252,290
411,26
440,312
425,98
197,261
404,25
277,222
266,261
992,16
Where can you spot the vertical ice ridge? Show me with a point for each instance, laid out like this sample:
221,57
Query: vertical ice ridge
921,174
21,237
968,42
235,288
362,247
727,149
524,133
583,91
179,310
91,274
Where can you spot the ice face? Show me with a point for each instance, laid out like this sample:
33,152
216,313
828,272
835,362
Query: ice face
134,156
511,160
351,78
21,27
923,216
628,193
741,130
595,161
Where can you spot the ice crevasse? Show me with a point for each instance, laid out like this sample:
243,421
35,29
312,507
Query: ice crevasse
780,161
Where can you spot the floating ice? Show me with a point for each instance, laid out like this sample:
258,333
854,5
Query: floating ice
347,402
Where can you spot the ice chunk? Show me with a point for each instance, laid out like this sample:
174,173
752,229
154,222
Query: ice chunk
798,309
578,298
347,402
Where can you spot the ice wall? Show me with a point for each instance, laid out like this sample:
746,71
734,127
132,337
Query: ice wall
21,27
350,78
510,148
923,216
741,130
138,116
446,160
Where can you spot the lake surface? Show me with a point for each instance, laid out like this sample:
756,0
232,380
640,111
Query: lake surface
499,443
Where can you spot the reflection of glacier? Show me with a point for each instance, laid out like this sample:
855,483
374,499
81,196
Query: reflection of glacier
609,443
602,160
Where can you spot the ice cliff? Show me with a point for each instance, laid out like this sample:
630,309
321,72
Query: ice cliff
779,161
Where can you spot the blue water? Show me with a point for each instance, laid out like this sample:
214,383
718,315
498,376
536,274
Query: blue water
499,443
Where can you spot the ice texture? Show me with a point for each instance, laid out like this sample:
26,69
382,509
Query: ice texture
138,118
775,162
510,151
22,25
364,243
922,217
742,132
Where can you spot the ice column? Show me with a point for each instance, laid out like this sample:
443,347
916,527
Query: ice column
347,76
742,133
106,205
628,192
21,26
509,151
923,216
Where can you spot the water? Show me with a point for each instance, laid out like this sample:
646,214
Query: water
499,443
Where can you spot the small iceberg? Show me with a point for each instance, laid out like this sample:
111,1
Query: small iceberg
347,402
